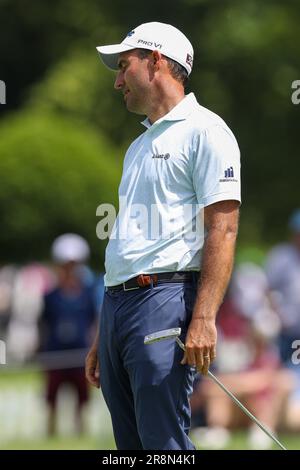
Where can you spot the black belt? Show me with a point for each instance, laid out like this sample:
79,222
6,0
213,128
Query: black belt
146,280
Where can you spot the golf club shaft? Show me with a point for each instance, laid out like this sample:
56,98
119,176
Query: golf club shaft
239,404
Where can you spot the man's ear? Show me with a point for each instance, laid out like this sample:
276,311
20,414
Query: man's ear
156,57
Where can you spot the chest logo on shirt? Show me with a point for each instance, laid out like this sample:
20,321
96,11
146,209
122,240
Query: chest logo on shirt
164,156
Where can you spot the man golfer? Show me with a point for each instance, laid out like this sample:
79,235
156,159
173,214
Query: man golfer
161,278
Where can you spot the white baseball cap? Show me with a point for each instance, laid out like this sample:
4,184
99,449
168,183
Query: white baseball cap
70,247
153,36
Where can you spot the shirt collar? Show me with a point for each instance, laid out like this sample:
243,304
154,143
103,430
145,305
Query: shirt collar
179,113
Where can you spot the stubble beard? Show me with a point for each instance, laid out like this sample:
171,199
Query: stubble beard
136,101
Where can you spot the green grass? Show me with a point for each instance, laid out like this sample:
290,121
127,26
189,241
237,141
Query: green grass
237,442
61,443
18,377
11,381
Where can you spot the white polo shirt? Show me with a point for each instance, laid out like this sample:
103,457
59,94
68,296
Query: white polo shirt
186,160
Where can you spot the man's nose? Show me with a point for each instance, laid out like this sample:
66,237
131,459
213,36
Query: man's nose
119,82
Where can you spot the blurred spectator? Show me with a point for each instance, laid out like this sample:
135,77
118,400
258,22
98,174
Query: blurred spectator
70,313
283,272
7,276
247,362
31,282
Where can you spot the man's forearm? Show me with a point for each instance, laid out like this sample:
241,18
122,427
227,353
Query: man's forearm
96,340
217,263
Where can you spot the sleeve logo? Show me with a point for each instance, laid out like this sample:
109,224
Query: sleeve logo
228,175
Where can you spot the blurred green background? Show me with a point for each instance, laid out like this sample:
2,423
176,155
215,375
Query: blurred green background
63,130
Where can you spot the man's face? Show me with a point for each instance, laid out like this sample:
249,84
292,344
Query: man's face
133,79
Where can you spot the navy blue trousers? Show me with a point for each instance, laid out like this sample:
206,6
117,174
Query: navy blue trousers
145,387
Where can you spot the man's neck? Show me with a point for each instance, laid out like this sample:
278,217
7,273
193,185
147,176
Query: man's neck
164,101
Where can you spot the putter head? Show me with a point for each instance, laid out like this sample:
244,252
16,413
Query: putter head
161,335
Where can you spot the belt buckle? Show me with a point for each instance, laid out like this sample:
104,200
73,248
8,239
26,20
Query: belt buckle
145,280
129,288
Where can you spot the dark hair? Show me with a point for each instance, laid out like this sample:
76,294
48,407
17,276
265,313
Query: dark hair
177,71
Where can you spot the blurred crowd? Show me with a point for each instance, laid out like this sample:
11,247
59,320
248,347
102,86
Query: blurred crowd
48,310
258,354
48,317
23,300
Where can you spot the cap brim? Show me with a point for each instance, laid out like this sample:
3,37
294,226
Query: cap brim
110,54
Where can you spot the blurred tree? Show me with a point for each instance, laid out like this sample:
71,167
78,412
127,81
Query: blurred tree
79,86
35,35
54,174
249,61
246,59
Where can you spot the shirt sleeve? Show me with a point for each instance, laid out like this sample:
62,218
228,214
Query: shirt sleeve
216,166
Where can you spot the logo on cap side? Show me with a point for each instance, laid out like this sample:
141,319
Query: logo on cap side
130,34
150,43
189,60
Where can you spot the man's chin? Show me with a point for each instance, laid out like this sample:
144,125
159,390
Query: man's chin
134,109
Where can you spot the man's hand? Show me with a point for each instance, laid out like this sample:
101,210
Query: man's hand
200,344
92,371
